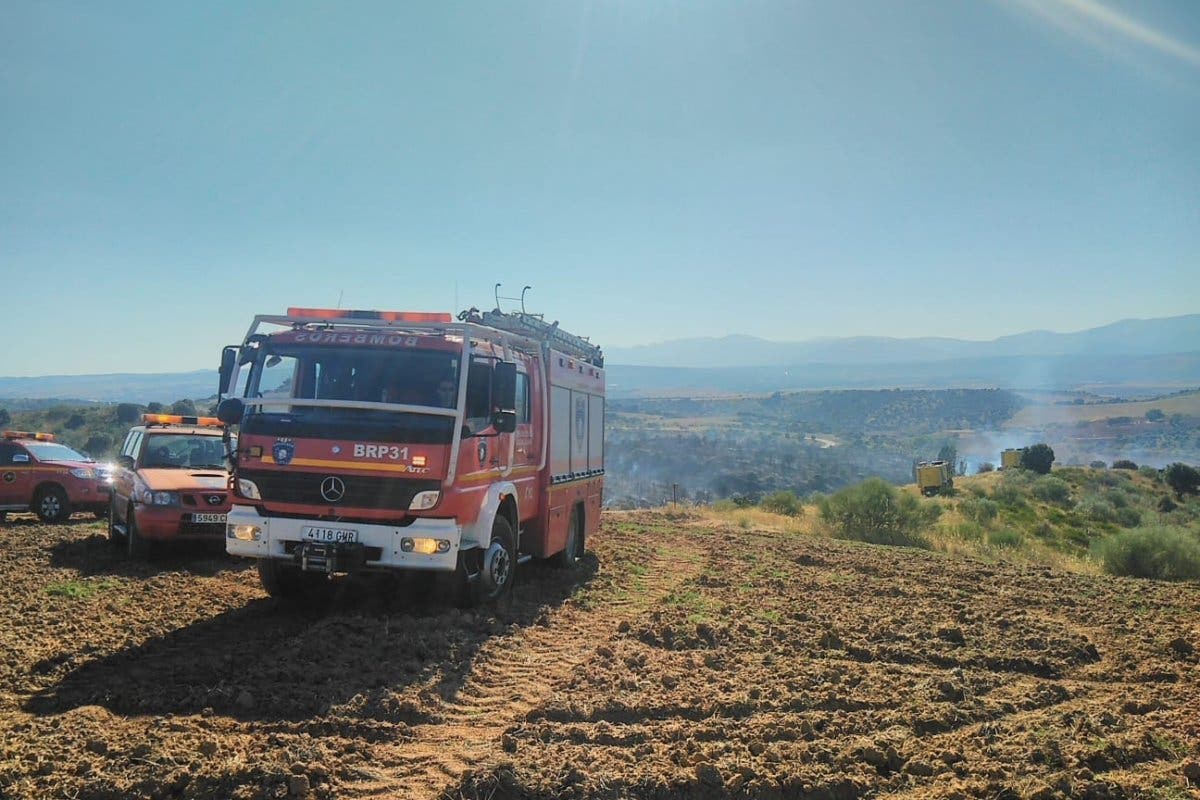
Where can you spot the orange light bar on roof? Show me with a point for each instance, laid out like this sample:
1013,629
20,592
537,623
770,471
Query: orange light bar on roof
41,437
176,419
386,316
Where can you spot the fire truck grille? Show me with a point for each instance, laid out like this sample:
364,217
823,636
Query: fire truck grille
360,491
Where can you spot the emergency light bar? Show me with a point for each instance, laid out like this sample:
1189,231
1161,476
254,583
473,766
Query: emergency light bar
386,316
41,437
176,419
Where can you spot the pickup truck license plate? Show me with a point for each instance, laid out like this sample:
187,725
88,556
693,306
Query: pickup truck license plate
209,518
314,534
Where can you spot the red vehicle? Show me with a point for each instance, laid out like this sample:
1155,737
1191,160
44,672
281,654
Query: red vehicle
403,441
50,479
171,483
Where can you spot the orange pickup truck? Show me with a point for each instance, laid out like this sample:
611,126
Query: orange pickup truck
171,484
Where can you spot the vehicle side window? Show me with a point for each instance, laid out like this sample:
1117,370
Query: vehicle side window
127,445
523,414
7,451
135,445
479,395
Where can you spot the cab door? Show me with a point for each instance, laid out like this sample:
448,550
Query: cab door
124,476
16,475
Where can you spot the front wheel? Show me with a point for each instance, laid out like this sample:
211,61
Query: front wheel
51,505
288,583
494,568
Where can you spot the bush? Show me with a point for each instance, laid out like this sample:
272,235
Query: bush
1124,463
784,502
986,466
726,505
1158,552
1151,473
1166,505
1097,509
969,531
98,445
1005,537
1129,517
1183,479
1009,496
979,510
184,407
873,511
128,412
1098,465
1052,490
1038,458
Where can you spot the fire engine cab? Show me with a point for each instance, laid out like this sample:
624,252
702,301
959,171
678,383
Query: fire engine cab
415,442
37,474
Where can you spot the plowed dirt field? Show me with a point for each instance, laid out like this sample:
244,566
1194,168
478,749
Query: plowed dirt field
682,660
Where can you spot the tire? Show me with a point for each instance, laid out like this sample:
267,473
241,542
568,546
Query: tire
572,554
3,516
51,505
136,546
115,539
496,568
290,584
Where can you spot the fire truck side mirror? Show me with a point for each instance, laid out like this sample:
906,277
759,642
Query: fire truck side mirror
504,385
230,410
504,421
228,362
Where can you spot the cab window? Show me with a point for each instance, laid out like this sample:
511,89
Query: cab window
523,415
7,452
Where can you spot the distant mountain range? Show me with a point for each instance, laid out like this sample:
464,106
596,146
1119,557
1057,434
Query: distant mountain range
1125,338
1132,358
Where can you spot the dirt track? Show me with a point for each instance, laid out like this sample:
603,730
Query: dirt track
682,660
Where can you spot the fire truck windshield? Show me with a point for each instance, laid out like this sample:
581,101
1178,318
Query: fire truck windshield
427,378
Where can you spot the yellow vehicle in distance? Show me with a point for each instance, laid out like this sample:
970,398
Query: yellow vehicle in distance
1011,458
934,477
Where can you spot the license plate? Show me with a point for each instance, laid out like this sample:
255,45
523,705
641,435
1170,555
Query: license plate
209,518
330,534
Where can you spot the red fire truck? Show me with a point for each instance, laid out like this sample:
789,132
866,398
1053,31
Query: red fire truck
408,441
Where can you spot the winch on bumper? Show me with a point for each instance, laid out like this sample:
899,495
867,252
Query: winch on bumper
323,546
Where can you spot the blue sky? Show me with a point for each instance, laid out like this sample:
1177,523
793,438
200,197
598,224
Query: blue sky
655,170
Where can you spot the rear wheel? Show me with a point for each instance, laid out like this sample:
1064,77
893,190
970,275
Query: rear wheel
51,505
572,554
289,583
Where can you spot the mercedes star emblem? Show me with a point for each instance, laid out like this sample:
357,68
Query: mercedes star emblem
333,488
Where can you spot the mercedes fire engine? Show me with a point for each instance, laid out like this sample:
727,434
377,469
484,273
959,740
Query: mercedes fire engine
407,441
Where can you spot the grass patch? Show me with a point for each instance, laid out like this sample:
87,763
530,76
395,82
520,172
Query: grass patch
81,590
1005,538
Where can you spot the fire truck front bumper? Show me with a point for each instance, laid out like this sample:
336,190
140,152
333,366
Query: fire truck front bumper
425,544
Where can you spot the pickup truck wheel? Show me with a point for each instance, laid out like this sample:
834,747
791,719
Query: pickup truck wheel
136,545
51,505
114,538
288,583
572,554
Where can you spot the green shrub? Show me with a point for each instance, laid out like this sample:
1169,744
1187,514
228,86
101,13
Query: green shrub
1183,479
784,502
1009,496
979,510
873,511
1159,552
1052,490
1129,517
1124,463
1097,509
1098,465
1151,473
1038,458
1005,537
970,531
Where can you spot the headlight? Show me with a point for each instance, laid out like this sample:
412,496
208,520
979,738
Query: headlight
84,472
424,500
248,489
163,499
246,533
